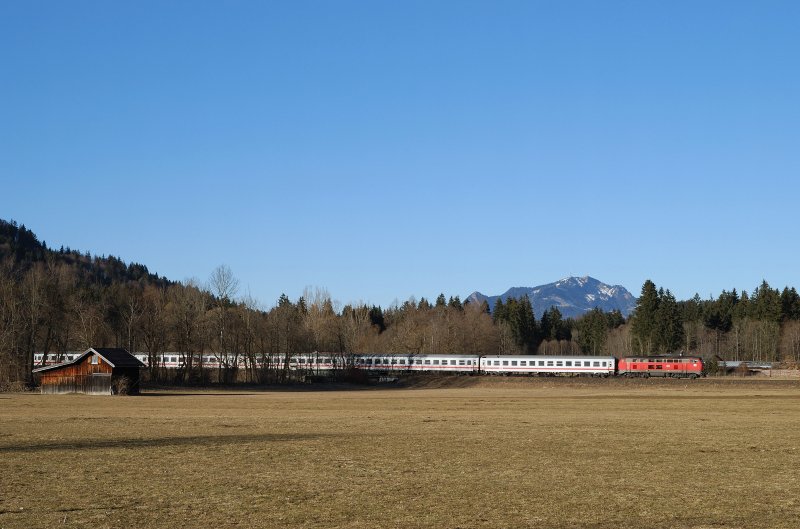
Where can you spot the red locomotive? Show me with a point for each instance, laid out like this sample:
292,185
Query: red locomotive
661,366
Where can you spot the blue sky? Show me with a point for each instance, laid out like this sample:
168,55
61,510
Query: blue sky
383,150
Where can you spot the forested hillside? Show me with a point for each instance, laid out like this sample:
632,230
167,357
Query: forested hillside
59,301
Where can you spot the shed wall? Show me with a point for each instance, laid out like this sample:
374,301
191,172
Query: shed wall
83,377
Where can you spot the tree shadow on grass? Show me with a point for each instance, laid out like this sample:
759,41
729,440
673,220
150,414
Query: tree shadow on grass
206,441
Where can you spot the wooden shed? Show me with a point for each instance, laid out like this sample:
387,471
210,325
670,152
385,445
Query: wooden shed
98,371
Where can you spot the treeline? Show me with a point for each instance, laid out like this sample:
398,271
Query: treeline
61,301
762,326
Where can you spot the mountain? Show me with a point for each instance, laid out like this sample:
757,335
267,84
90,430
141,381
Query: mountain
573,296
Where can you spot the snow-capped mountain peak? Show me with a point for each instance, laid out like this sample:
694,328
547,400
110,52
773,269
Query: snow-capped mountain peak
572,295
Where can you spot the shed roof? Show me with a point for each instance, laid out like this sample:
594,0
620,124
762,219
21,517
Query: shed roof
115,357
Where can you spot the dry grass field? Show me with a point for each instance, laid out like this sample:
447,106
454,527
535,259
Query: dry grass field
463,453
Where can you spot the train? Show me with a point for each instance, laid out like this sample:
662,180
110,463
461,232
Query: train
475,364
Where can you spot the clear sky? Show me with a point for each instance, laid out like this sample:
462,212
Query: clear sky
383,150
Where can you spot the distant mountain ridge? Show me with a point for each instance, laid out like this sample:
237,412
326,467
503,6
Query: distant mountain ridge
573,296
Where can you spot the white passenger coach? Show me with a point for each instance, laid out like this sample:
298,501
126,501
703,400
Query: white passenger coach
552,365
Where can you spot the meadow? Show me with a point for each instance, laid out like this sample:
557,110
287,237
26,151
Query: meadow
452,453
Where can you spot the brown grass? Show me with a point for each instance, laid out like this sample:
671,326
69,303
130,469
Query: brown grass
494,453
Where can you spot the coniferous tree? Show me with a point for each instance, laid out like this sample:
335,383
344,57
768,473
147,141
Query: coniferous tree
644,326
766,304
525,321
553,326
376,318
669,323
499,311
455,303
441,301
790,304
592,330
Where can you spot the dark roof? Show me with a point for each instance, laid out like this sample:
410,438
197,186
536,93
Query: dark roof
116,357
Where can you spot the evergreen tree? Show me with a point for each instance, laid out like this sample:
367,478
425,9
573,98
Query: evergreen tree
552,326
524,324
790,304
644,326
441,301
518,316
766,304
615,319
376,318
691,310
499,312
669,323
593,331
455,303
719,315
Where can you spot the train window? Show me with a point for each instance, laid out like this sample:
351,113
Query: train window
469,362
402,361
523,363
597,364
505,362
452,362
605,364
419,362
394,361
549,363
541,363
559,363
436,362
568,363
461,362
513,362
427,362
